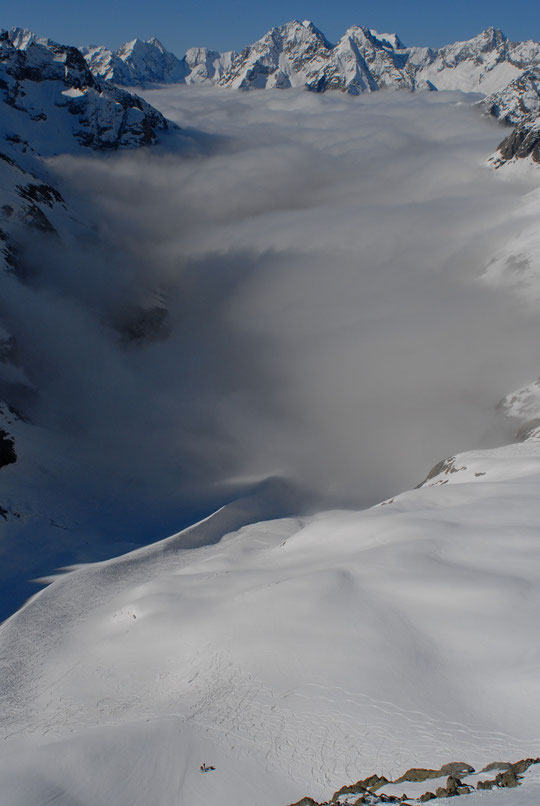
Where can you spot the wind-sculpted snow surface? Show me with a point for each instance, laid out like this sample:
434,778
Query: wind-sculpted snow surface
293,655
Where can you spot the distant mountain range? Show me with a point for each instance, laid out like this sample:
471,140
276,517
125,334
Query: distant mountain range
298,54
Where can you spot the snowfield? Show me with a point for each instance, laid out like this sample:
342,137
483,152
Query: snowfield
295,655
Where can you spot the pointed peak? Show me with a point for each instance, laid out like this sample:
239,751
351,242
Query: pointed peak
156,43
494,35
492,31
391,40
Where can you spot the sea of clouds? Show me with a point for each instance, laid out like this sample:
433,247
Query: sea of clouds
319,257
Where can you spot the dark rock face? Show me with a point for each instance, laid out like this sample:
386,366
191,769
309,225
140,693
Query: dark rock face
7,449
370,784
524,141
44,194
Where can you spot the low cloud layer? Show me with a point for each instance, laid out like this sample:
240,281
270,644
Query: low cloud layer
319,258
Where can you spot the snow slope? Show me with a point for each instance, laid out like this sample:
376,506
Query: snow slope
294,654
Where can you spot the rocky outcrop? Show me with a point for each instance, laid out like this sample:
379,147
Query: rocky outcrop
445,467
377,789
7,449
523,142
423,774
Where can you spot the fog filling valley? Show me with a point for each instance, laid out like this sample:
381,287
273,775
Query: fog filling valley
320,259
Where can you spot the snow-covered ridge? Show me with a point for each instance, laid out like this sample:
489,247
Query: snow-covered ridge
141,63
297,54
518,102
43,81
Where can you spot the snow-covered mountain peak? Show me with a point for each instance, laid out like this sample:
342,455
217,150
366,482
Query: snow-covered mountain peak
296,32
390,40
288,55
492,39
489,38
20,38
142,46
298,54
136,62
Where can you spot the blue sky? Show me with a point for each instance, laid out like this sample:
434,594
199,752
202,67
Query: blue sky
231,25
